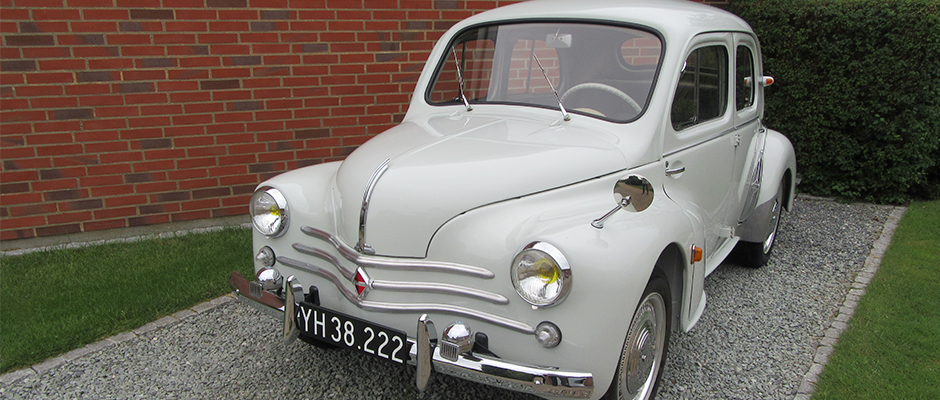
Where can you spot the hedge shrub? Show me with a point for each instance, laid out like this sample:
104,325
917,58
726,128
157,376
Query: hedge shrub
857,92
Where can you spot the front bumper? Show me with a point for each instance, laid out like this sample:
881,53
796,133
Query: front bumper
426,353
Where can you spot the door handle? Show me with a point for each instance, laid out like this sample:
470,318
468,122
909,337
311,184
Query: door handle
675,171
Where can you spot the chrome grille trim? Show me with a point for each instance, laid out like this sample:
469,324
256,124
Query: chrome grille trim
350,275
406,265
407,307
444,288
397,286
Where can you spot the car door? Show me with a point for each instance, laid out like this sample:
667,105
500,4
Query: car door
748,130
699,145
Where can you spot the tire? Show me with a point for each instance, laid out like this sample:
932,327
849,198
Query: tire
757,254
644,350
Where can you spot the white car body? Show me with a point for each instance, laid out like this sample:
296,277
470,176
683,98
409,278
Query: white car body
436,230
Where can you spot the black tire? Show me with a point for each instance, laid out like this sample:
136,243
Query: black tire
757,254
644,349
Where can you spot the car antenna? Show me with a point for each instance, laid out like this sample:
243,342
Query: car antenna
564,113
460,80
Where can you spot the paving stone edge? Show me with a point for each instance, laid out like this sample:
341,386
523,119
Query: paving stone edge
847,309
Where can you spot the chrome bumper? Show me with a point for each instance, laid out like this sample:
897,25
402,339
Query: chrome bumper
426,353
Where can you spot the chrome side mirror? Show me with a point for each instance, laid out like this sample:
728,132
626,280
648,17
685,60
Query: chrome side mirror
634,194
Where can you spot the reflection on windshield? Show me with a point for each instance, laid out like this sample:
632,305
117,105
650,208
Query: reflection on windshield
601,71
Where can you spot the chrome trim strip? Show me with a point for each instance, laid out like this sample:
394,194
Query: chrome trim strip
443,288
362,246
406,265
407,307
350,275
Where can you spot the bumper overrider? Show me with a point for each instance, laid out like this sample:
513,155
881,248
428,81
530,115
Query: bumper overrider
428,353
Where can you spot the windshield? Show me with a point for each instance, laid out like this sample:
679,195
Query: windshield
602,71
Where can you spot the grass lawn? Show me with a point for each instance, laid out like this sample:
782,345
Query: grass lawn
52,302
891,349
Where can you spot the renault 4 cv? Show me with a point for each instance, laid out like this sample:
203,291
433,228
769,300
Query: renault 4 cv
566,176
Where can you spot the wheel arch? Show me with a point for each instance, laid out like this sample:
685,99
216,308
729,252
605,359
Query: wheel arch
670,266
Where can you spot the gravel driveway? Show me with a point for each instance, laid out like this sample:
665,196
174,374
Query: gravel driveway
757,338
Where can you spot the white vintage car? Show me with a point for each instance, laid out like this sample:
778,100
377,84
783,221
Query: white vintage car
567,175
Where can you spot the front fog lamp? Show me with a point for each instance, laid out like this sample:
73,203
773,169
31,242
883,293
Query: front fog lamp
269,212
541,275
266,257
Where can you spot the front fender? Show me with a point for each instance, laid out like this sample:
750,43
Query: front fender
610,266
310,202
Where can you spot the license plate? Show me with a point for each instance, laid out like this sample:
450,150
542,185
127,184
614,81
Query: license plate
342,330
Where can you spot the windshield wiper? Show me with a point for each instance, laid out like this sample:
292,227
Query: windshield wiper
564,113
460,80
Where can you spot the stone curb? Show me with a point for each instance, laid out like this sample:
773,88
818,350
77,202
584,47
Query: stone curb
55,362
847,309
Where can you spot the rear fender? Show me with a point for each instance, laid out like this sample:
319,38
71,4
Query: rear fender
779,167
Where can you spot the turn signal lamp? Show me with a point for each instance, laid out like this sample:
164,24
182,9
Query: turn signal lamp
697,254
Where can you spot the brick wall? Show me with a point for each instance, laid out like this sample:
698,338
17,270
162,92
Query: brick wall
117,113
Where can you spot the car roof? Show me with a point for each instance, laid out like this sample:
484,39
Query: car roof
674,19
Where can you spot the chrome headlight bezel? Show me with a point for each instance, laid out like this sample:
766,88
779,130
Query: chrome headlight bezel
541,275
270,213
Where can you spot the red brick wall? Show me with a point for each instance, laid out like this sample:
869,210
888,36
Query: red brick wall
117,113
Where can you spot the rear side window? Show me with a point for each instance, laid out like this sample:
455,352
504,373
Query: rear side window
744,79
703,88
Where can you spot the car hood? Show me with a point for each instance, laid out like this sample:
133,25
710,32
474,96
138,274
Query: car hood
441,167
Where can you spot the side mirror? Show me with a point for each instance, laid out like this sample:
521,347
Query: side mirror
633,194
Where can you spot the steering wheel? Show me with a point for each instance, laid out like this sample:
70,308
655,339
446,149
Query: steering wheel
606,88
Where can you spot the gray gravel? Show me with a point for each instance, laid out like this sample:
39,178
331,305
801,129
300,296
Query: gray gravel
756,339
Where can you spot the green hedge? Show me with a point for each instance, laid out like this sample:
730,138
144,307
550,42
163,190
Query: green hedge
857,92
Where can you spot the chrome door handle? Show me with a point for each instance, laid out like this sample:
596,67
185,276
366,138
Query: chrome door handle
675,171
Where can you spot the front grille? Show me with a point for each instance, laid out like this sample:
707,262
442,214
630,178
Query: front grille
346,279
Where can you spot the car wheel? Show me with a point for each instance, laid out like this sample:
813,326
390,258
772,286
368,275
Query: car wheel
644,350
757,254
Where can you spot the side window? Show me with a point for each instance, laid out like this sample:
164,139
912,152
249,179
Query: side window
703,88
744,79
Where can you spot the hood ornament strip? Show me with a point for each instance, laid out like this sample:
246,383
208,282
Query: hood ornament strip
362,246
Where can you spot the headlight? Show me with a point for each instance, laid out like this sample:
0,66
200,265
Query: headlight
269,212
541,275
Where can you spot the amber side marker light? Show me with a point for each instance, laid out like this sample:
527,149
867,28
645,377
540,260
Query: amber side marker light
697,254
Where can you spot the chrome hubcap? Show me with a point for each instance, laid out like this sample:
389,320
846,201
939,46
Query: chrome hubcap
644,351
774,222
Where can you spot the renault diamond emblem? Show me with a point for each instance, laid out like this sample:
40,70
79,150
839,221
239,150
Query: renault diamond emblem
363,283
